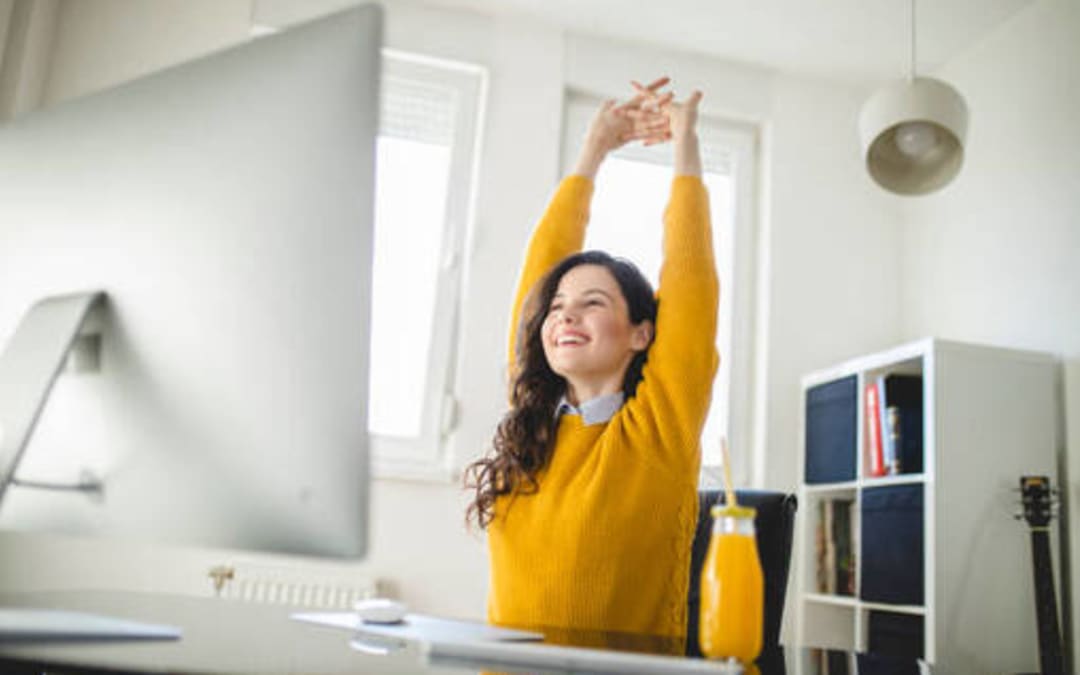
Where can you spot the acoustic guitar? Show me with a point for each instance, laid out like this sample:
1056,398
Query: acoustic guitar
1035,493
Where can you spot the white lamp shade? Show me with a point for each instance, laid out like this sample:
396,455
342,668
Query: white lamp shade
912,135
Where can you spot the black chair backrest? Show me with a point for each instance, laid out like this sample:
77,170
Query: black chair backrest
774,525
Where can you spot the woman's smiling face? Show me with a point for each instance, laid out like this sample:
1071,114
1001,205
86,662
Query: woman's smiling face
587,335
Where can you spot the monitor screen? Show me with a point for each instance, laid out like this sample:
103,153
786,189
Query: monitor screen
225,209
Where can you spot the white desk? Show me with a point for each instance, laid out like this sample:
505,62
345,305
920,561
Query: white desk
223,636
219,636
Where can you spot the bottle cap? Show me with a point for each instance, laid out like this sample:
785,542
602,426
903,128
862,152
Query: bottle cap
724,511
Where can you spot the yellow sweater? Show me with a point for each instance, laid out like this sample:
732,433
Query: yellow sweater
604,544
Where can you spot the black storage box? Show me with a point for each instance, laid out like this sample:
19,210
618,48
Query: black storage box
892,544
895,634
876,664
830,431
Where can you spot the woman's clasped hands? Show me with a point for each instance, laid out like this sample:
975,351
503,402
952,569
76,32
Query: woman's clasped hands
641,118
651,115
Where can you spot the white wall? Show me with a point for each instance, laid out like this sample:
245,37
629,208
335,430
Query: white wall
827,235
995,257
833,255
141,37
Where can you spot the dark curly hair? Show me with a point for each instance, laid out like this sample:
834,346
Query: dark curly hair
525,437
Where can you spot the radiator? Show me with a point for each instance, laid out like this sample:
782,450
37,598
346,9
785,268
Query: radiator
293,586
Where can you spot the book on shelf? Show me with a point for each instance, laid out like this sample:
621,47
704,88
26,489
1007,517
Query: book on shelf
893,463
824,545
836,547
844,546
875,450
900,397
890,463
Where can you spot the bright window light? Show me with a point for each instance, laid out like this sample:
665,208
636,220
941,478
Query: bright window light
410,211
428,129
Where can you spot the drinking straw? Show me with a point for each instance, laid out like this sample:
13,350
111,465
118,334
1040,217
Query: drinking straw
728,486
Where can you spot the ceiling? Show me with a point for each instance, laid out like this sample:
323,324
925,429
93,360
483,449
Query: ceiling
856,41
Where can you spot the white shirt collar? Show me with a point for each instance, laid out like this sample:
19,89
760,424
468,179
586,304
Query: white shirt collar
594,411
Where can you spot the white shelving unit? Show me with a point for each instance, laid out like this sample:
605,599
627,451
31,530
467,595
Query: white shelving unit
990,415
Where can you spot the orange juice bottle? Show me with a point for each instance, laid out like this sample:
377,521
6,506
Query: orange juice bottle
732,588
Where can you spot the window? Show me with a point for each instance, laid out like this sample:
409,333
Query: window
628,204
428,127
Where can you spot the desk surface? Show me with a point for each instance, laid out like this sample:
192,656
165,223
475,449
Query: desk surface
222,636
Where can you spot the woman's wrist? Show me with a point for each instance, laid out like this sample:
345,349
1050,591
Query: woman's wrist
685,140
590,159
687,154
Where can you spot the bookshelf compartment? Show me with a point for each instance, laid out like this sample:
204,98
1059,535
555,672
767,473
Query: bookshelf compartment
831,431
893,413
835,543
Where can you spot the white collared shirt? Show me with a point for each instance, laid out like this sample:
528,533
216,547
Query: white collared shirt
594,411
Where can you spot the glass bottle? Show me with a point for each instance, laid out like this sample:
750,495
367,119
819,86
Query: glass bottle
732,588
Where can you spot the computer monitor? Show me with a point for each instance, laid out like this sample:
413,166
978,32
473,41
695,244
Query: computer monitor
225,208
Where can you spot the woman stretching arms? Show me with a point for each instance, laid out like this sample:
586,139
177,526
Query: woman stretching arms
590,493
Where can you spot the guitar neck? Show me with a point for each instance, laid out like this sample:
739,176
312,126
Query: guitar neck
1051,658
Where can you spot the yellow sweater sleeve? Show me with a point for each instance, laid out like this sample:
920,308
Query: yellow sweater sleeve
667,414
560,232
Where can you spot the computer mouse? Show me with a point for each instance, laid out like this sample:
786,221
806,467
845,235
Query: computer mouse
381,610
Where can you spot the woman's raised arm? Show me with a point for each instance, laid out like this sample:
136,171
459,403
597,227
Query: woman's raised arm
673,398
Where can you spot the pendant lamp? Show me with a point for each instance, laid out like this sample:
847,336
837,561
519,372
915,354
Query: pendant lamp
912,132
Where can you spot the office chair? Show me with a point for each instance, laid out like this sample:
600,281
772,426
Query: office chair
774,524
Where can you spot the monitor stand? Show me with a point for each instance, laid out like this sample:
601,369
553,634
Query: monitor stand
29,366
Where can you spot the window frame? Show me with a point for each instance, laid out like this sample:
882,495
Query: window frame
741,142
424,456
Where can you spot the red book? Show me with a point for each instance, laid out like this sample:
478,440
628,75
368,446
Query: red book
874,445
